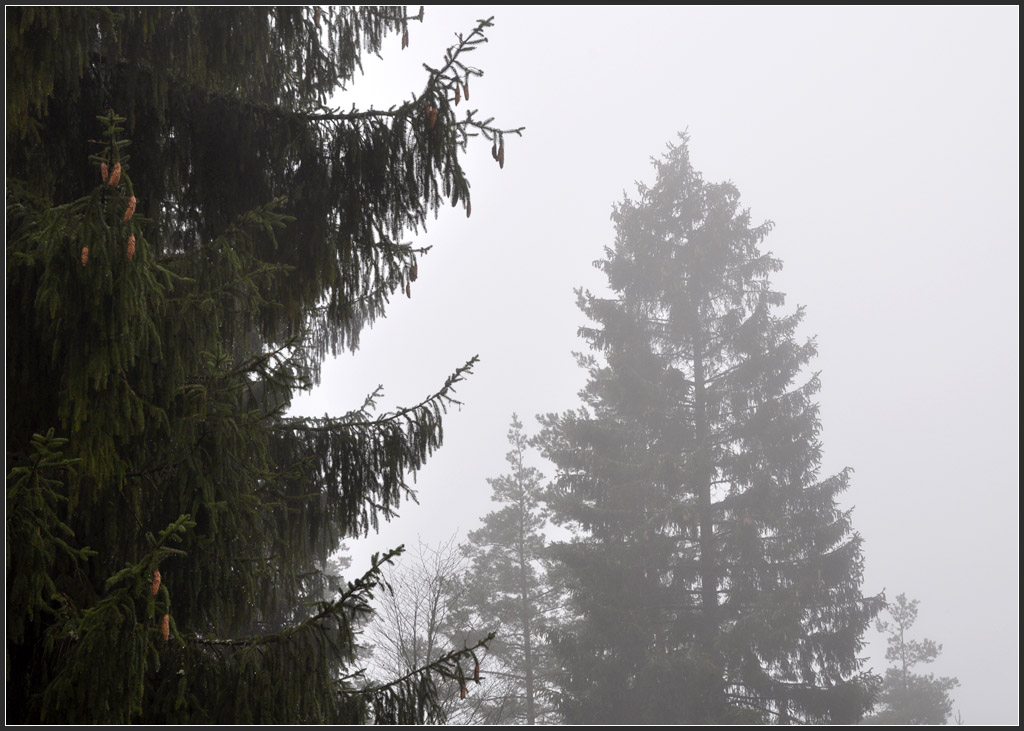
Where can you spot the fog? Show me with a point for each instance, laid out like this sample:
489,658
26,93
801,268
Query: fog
883,143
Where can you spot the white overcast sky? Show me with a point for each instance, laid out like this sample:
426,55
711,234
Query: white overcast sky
883,143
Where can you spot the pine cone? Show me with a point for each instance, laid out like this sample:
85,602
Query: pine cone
130,211
103,171
501,154
165,627
476,671
155,586
316,16
408,290
405,39
85,255
458,95
131,253
465,89
462,691
414,273
115,177
469,207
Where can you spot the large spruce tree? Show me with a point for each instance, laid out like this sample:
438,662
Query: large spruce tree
714,577
191,228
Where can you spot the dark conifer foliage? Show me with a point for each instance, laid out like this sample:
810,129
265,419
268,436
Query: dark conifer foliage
713,576
191,229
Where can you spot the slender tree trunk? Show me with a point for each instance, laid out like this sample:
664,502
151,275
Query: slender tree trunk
903,662
706,524
784,719
526,609
708,574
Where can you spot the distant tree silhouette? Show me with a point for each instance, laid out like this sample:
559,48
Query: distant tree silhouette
507,590
713,576
907,697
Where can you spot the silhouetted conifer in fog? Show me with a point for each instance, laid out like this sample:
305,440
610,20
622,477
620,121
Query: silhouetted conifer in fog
168,525
506,590
907,697
713,576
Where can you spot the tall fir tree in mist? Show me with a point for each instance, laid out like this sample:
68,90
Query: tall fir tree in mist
506,590
191,229
713,576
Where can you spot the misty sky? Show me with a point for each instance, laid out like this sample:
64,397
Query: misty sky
883,143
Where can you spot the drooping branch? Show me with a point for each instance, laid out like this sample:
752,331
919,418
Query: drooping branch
355,599
442,399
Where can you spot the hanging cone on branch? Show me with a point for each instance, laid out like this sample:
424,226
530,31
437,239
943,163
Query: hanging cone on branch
130,253
115,176
130,210
85,255
154,586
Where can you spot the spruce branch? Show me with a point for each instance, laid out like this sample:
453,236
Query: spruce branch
442,399
447,666
355,599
